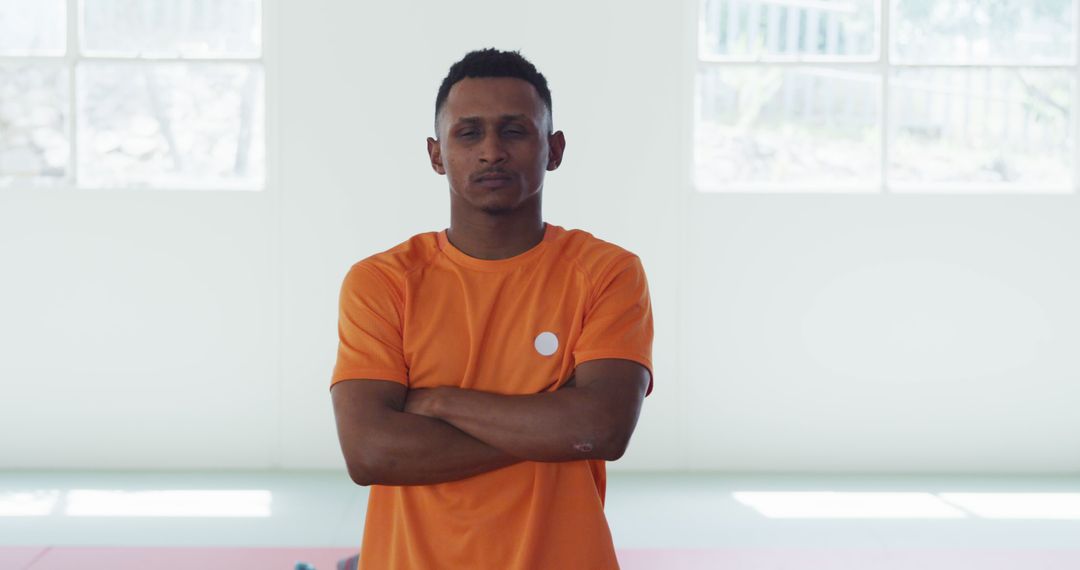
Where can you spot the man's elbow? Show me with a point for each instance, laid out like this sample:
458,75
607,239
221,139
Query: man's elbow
615,451
364,469
615,444
361,477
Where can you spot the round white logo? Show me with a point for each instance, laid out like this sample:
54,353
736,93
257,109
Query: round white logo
546,343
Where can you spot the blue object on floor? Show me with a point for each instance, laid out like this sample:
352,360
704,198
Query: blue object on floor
350,563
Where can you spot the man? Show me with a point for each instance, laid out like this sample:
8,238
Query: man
486,372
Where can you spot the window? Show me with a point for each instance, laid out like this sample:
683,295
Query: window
132,93
886,95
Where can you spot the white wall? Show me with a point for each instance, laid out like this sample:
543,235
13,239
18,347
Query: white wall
793,333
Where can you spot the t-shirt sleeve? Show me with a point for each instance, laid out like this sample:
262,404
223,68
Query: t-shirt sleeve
369,328
619,321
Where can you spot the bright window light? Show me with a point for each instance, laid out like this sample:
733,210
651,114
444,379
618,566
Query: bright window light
28,503
164,94
965,96
1018,505
173,503
829,504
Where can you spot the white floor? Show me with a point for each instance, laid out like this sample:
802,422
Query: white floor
645,511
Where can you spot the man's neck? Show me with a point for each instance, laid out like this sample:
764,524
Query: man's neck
496,237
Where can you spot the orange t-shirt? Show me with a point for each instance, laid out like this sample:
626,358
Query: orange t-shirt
426,314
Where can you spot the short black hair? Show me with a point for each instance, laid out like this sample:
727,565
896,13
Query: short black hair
491,62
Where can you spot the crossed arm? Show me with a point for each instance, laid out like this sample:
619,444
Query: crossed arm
393,436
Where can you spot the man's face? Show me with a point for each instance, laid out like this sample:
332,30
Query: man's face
493,143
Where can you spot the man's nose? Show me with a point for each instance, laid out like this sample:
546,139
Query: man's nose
492,150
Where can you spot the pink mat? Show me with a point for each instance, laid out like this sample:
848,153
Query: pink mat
849,559
94,558
19,556
57,558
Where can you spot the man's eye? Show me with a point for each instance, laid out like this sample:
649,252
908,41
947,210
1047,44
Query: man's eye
466,133
514,132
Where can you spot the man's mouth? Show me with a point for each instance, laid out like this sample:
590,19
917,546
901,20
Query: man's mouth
487,177
494,180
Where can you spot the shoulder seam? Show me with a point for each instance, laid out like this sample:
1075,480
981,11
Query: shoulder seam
427,261
594,281
398,294
409,270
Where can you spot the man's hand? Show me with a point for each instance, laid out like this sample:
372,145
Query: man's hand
421,401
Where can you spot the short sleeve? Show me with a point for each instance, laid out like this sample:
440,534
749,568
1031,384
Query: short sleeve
369,329
619,321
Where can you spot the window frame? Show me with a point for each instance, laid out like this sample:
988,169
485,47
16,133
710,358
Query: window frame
73,56
883,65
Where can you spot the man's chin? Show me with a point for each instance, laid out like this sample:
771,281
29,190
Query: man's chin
496,210
496,205
499,202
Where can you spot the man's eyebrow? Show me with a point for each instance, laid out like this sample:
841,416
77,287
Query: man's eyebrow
517,117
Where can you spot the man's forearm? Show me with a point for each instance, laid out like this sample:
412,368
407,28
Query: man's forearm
564,425
416,450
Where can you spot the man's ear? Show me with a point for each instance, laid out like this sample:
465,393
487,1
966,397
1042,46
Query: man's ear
435,154
556,146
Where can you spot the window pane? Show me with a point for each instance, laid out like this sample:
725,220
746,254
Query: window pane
164,28
981,128
170,125
787,29
789,129
34,144
983,31
33,27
